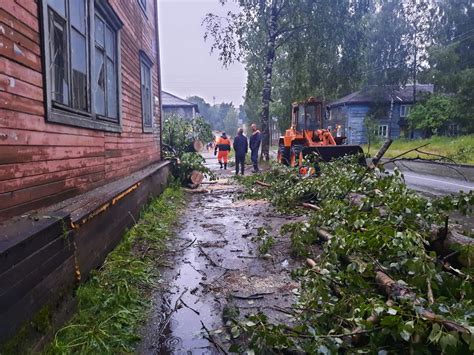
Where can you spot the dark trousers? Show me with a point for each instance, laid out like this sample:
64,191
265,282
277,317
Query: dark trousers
254,157
240,160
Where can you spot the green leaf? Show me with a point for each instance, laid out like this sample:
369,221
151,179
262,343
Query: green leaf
392,311
435,334
405,335
448,340
235,331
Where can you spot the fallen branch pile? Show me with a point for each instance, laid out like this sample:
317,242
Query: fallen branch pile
393,274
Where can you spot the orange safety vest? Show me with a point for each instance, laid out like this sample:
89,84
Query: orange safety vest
223,144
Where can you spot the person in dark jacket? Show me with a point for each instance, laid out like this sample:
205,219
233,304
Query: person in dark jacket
255,140
241,149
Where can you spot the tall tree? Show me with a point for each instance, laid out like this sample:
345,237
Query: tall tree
230,122
451,58
322,59
203,106
260,28
387,49
421,17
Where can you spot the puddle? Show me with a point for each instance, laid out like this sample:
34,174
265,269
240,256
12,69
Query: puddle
221,265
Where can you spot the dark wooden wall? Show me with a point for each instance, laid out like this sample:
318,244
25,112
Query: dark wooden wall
42,163
42,258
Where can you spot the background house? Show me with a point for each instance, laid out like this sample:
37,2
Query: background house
389,106
172,104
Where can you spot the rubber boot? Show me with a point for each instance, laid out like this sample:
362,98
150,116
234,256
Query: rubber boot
225,166
220,164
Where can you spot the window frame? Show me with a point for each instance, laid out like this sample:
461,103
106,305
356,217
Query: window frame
380,130
56,112
145,62
405,109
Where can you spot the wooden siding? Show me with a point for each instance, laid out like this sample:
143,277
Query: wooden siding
185,112
355,124
42,162
352,118
40,257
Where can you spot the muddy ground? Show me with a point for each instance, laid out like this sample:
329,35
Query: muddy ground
213,263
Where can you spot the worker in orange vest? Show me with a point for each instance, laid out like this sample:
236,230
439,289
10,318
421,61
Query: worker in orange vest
223,145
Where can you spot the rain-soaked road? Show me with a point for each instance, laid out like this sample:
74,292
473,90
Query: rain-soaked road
214,262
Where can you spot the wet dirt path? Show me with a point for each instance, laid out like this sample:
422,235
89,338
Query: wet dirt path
214,262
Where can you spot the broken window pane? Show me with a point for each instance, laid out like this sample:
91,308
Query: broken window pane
58,6
110,43
99,31
77,9
79,71
74,49
99,80
106,69
111,89
58,59
146,94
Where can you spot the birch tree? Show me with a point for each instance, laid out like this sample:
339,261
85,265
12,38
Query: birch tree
258,30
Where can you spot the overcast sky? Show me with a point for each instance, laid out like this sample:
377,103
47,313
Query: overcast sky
187,67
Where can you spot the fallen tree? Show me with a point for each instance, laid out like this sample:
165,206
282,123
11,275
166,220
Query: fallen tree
398,291
445,240
380,282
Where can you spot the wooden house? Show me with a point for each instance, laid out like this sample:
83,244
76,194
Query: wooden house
80,140
390,106
174,105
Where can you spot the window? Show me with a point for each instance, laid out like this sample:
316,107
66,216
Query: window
105,76
382,130
300,122
405,110
81,57
146,90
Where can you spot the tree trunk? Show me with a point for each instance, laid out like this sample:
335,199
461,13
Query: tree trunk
267,83
398,291
196,177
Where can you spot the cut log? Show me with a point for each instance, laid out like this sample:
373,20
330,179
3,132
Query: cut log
454,240
311,206
195,146
324,235
196,177
380,153
198,145
261,183
310,262
195,191
452,244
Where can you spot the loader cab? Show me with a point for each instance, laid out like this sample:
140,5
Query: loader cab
308,115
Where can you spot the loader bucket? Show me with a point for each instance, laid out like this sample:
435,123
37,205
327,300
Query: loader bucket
330,152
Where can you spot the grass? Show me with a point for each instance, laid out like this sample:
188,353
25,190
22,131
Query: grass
114,302
460,149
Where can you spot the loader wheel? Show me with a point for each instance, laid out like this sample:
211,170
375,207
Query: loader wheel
296,155
283,155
